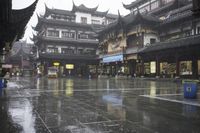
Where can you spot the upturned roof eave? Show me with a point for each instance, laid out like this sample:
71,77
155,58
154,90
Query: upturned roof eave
182,42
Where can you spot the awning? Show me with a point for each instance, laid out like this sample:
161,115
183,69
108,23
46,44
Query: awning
114,58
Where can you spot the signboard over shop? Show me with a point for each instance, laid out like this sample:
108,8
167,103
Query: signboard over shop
6,66
114,58
69,66
56,64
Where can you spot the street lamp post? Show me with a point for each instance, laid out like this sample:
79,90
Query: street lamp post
21,59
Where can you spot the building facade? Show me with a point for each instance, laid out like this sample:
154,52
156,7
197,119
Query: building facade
161,39
121,41
20,59
68,40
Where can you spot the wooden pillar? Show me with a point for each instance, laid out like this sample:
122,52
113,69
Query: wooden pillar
142,67
195,68
130,67
110,73
115,68
46,65
133,65
150,4
177,67
160,3
194,28
157,67
96,67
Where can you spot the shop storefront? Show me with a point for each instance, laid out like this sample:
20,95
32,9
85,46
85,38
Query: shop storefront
167,70
150,68
114,65
69,69
133,65
185,68
115,58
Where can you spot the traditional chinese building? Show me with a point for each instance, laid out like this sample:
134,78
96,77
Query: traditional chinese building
161,39
68,40
121,40
21,58
177,52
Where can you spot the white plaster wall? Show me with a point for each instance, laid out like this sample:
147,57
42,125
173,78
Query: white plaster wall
147,38
79,15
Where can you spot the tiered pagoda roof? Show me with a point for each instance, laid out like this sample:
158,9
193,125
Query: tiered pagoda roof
83,8
53,22
101,14
130,20
112,16
19,50
49,11
141,18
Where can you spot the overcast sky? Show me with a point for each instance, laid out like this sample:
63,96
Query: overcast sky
104,5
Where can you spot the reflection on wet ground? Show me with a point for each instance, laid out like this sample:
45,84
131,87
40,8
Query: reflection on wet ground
96,106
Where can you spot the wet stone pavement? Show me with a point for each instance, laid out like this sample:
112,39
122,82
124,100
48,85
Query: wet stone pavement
97,106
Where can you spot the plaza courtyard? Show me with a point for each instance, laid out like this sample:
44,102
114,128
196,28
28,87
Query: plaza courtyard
66,105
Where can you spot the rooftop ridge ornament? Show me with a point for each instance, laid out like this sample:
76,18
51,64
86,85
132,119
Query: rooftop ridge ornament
83,8
119,13
38,16
120,19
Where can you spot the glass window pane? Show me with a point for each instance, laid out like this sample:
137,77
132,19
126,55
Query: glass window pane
186,67
147,68
153,67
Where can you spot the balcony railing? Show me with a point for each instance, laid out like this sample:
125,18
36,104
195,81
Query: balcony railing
67,56
90,41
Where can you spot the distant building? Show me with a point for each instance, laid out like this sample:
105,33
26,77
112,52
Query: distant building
68,40
21,57
159,38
